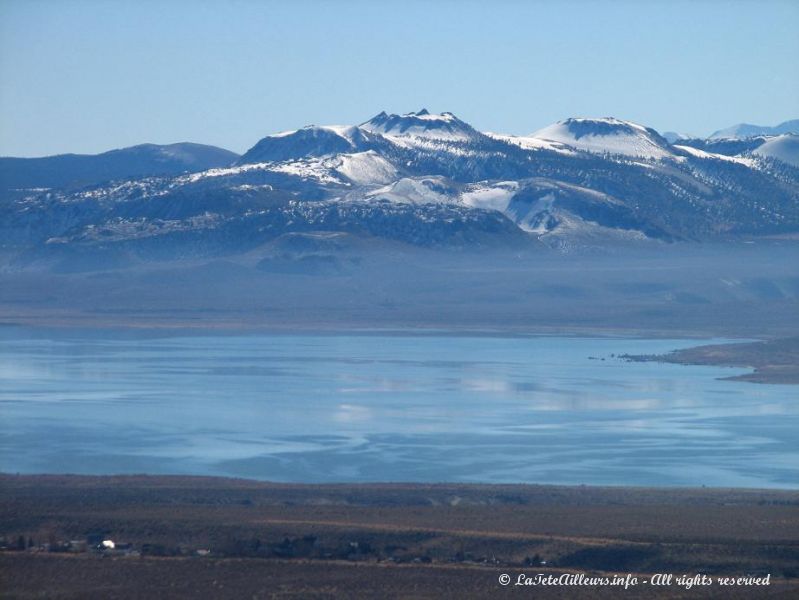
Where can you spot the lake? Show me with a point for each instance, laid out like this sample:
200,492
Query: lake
383,407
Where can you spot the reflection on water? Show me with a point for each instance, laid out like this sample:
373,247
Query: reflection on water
381,407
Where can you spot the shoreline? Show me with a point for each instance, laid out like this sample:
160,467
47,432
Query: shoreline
226,482
774,361
242,328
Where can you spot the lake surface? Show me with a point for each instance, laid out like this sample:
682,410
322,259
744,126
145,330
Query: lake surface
349,408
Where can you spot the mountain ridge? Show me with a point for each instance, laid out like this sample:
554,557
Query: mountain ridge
78,170
423,179
745,130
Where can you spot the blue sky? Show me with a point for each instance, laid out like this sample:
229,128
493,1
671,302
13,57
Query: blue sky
91,75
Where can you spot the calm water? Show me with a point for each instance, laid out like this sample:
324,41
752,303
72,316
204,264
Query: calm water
388,408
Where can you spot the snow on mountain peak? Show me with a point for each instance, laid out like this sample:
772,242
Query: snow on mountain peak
312,140
674,136
423,124
606,135
345,131
746,130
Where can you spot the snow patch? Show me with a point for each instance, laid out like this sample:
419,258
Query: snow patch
696,152
423,190
366,168
532,143
495,196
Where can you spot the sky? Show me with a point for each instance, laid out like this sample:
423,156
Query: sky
87,76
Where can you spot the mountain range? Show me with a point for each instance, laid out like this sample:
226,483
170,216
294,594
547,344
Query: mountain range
744,130
419,178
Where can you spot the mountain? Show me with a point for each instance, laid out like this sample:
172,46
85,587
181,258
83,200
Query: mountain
745,130
419,179
312,140
607,135
673,136
422,124
78,170
784,148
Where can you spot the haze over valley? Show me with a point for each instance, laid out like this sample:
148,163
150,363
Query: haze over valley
414,220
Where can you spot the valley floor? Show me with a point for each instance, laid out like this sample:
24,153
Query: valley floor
191,537
682,291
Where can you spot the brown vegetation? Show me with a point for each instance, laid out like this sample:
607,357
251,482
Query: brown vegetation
279,540
773,361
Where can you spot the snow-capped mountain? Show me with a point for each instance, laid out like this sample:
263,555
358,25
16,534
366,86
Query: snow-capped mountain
673,136
426,179
422,124
784,148
745,130
607,135
312,140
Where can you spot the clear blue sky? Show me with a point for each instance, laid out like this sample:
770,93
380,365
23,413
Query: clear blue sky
91,75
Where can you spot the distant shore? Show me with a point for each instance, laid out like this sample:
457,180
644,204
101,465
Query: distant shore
773,361
207,324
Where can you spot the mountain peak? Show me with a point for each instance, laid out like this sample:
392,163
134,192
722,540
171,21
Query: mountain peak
606,135
311,140
600,125
783,147
423,124
675,136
